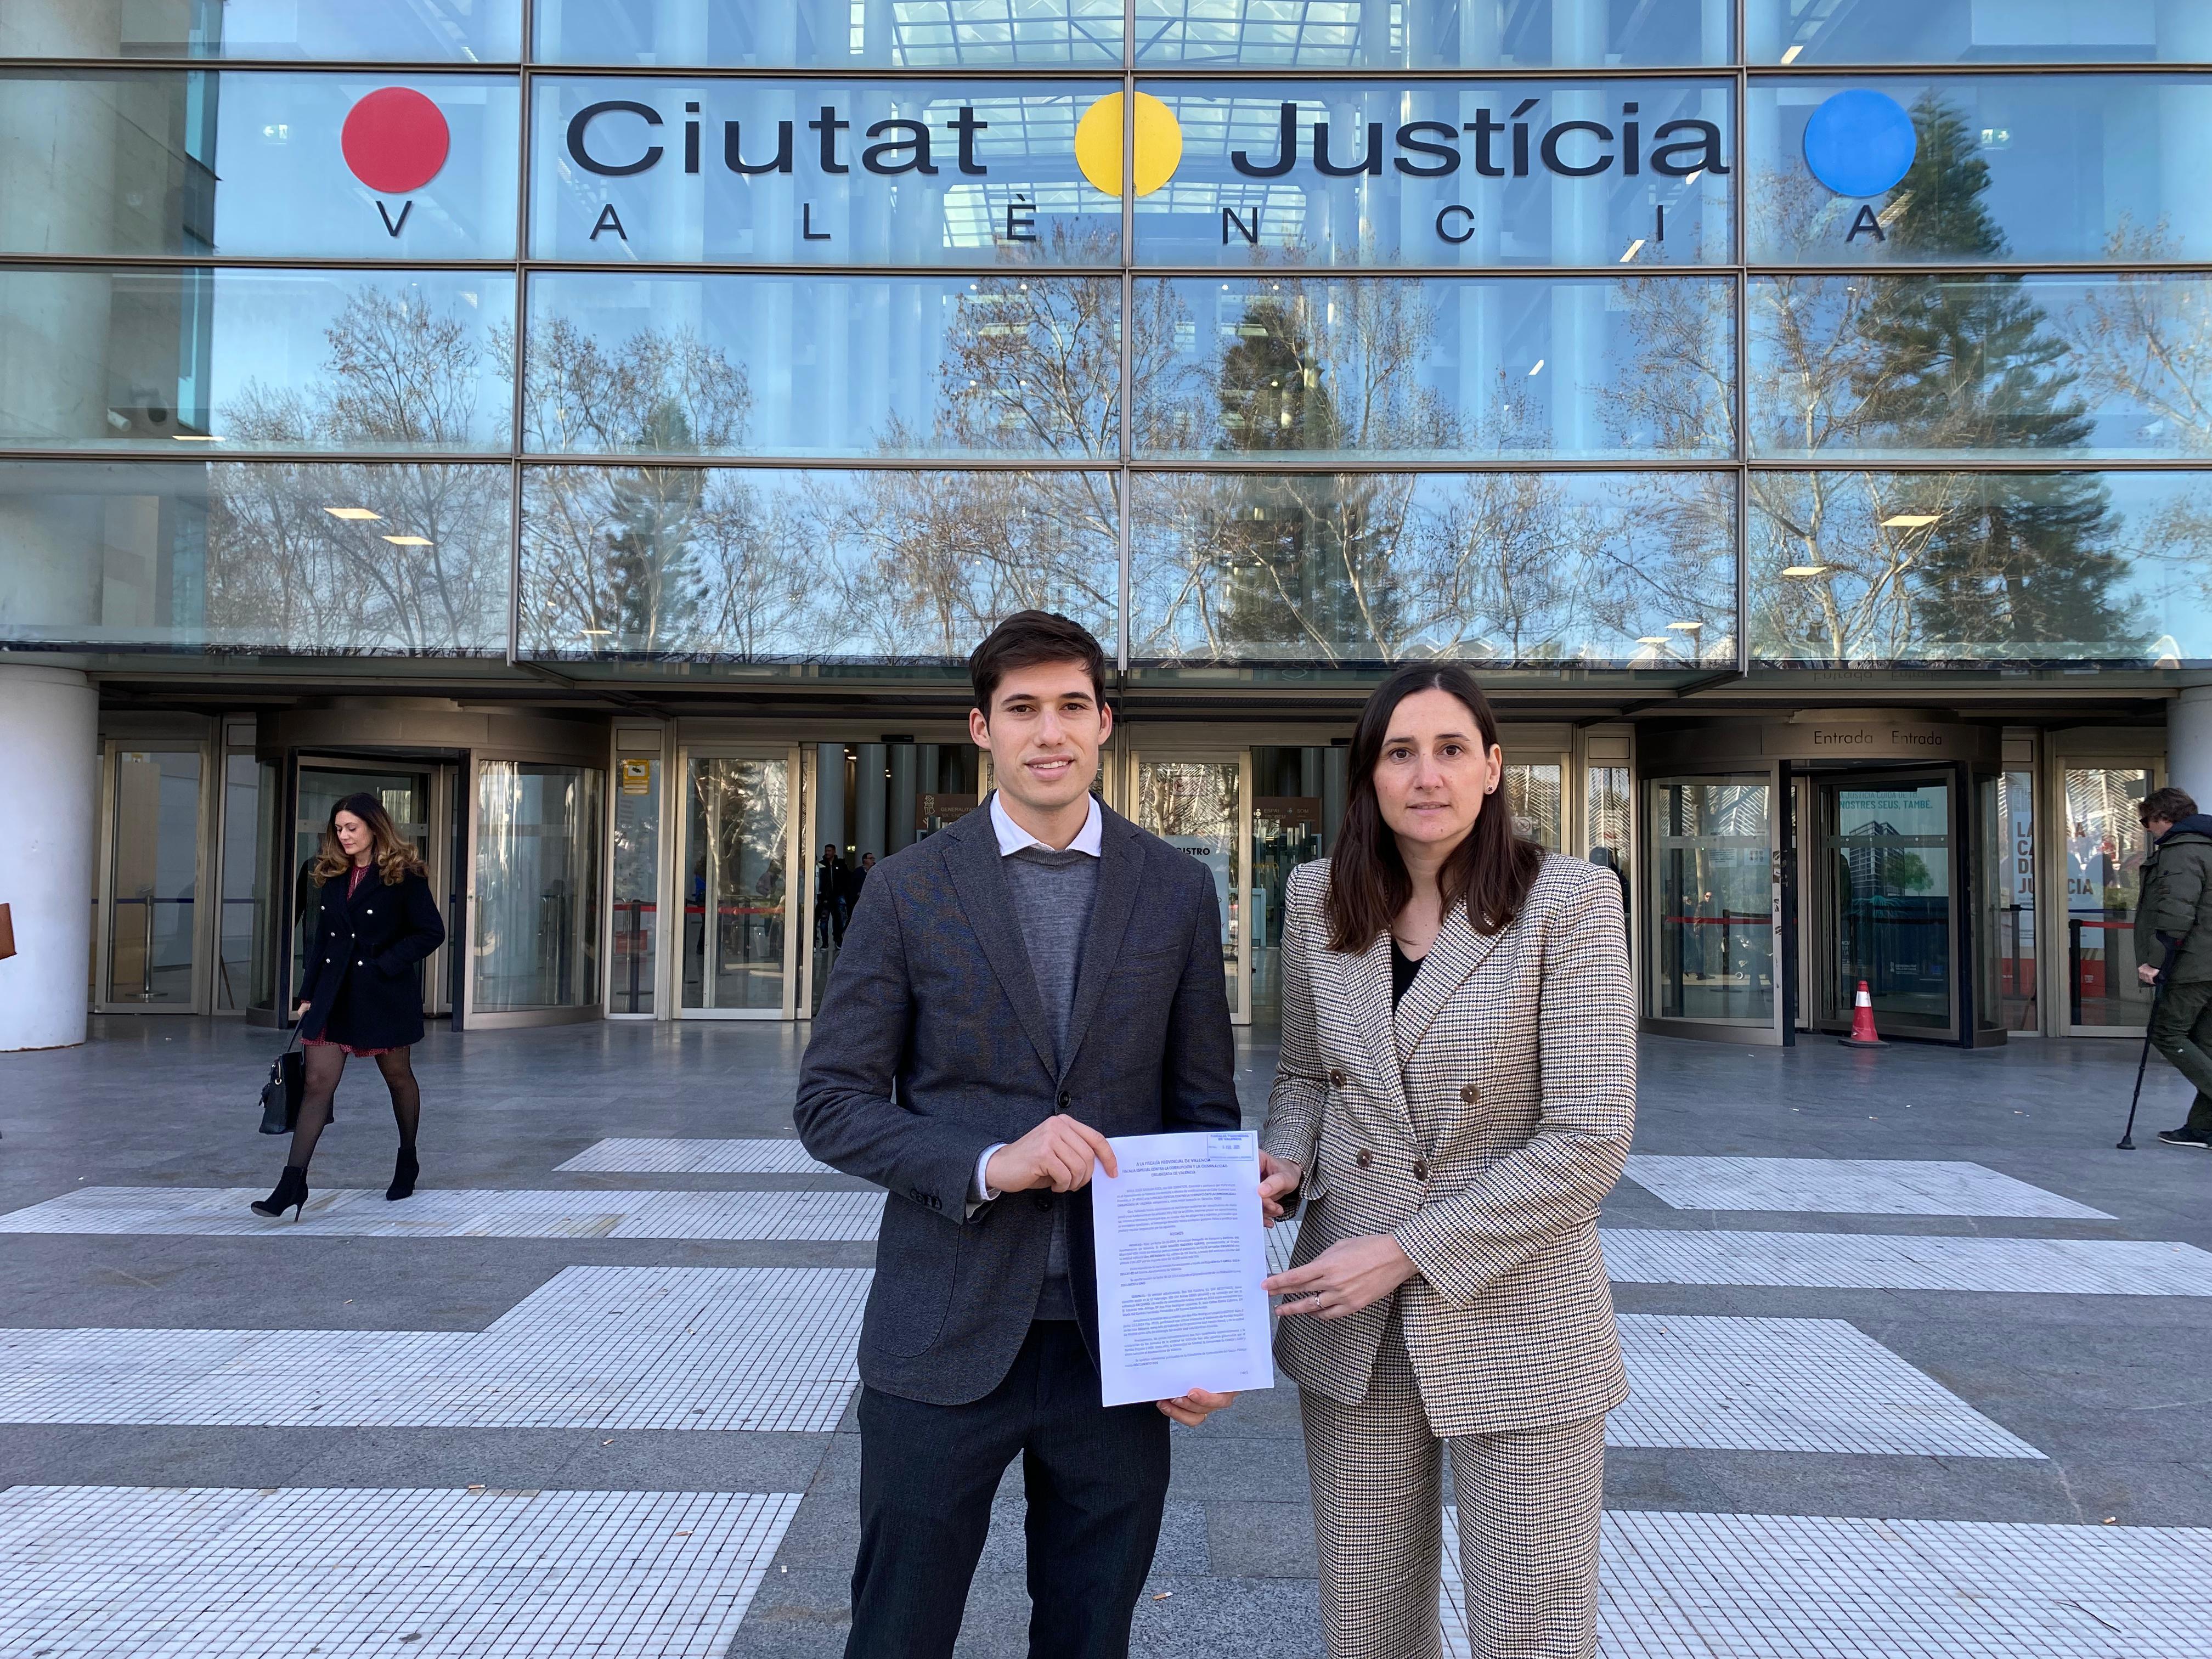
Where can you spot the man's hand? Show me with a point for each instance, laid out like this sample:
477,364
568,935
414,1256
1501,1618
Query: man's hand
1193,1409
2144,972
1278,1176
1058,1153
1349,1275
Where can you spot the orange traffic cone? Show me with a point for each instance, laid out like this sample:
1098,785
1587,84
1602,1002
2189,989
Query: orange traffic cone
1862,1033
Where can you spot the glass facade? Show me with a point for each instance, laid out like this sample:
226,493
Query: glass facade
1559,336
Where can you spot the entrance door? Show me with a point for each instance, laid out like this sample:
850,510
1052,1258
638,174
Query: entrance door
150,943
740,854
1710,968
1202,804
418,799
1886,897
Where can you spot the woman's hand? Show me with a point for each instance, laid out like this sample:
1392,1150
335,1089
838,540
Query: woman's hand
1278,1176
1349,1274
299,1007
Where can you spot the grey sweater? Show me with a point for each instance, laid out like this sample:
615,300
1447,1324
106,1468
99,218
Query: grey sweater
1053,894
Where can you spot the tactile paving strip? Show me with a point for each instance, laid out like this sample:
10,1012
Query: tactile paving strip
648,1157
136,1572
2080,1266
1846,1186
728,1348
450,1212
1791,1586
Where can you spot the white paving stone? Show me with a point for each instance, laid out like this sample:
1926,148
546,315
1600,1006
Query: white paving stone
450,1212
1810,1385
136,1572
650,1156
2081,1266
1818,1587
706,1348
1846,1186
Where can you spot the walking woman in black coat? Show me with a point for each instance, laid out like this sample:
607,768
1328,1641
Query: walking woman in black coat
374,920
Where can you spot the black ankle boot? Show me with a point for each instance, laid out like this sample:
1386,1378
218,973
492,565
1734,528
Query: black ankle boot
404,1168
291,1193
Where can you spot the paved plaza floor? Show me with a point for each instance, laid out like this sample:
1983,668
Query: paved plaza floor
1922,1365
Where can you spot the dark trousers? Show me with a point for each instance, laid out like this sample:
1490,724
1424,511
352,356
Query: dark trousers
1096,1479
2181,1030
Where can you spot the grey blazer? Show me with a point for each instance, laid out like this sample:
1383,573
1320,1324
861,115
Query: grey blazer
932,1044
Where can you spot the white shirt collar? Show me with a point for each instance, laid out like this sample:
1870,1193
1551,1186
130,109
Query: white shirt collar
1012,837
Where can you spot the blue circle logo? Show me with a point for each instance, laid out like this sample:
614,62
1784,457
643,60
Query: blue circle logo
1860,143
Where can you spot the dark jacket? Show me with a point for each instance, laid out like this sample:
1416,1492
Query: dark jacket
932,1044
361,987
2176,907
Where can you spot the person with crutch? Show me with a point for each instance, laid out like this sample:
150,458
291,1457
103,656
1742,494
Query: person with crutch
2174,948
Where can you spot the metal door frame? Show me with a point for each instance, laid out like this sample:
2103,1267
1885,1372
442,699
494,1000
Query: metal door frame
1239,921
665,868
440,777
1774,1030
2052,835
798,823
203,937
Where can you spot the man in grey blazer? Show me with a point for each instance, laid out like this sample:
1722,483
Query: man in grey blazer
1036,977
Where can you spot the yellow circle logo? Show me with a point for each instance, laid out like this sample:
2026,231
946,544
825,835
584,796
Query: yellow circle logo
1098,144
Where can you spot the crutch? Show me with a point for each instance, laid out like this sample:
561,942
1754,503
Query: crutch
2127,1143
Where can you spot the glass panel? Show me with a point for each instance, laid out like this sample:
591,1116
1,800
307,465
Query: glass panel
1500,569
237,933
345,31
1980,569
276,557
1532,792
1192,805
830,34
755,566
2105,847
1317,34
736,898
154,877
272,870
1608,817
637,883
247,162
1977,169
817,172
2005,969
307,359
1711,879
1590,367
537,904
2084,367
858,365
1298,804
1439,174
1975,32
405,795
1888,854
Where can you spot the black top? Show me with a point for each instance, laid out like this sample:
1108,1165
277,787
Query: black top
1402,970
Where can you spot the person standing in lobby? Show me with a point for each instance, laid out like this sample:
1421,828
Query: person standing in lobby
2173,949
1005,1003
375,919
1454,1097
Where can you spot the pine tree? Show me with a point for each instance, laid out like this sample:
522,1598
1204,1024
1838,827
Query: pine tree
1967,364
651,562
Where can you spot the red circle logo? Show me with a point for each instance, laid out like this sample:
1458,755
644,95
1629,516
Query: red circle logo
395,140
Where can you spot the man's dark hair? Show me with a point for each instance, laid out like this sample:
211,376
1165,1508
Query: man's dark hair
1026,639
2172,804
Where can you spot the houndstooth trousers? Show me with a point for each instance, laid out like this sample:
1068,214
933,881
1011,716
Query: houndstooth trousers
1529,1504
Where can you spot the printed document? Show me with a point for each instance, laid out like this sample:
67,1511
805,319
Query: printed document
1181,1251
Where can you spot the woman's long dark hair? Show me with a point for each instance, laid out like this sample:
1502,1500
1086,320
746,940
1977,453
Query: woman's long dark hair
1491,871
395,859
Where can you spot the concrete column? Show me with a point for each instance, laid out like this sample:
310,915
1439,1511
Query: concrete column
869,788
49,752
828,800
899,832
2188,743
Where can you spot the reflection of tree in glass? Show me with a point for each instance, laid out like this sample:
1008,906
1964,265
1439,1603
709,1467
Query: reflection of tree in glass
1188,798
400,376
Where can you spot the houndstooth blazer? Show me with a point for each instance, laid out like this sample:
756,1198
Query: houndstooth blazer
1481,1124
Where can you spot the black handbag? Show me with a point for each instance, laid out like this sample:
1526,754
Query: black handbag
280,1095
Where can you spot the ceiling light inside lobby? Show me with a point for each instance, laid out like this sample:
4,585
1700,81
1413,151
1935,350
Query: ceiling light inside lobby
353,514
1910,520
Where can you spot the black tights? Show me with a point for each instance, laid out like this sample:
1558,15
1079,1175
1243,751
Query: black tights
325,1066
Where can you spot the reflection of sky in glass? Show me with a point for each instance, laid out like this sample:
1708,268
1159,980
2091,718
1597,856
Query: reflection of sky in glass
2079,167
1316,34
831,33
1458,217
342,31
1973,30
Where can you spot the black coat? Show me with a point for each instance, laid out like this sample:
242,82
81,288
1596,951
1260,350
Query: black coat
361,987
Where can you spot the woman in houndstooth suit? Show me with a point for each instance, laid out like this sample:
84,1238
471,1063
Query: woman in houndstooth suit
1456,1094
